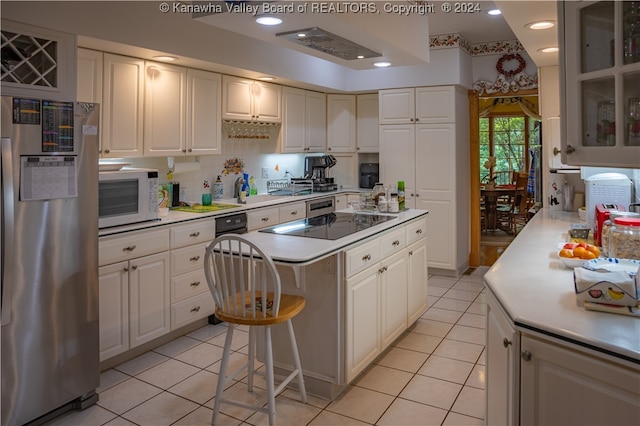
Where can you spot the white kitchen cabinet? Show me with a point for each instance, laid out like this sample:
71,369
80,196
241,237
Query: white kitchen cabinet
249,100
417,105
502,380
304,122
37,62
113,293
393,296
600,83
575,386
122,107
164,109
433,161
341,123
261,218
292,211
367,134
149,298
417,280
89,76
341,201
203,113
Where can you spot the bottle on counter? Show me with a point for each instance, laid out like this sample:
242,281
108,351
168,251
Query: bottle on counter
253,188
218,189
401,194
244,189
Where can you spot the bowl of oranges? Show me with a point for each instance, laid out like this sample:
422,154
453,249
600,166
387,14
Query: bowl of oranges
573,255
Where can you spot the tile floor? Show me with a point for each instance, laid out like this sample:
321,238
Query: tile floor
434,374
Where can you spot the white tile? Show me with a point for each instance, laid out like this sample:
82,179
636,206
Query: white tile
361,404
168,373
473,320
455,419
200,387
126,395
208,332
163,409
451,370
467,334
418,342
94,415
404,412
236,360
431,391
452,304
431,327
462,351
288,412
202,417
443,315
119,421
477,378
384,379
238,392
202,355
477,308
327,418
240,339
482,357
403,359
444,282
311,400
109,378
468,296
470,402
469,285
177,346
141,363
436,291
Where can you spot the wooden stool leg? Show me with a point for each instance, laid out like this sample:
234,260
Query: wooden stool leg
271,398
222,374
296,359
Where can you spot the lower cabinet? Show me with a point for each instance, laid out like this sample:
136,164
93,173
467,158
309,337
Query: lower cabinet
535,379
416,281
113,289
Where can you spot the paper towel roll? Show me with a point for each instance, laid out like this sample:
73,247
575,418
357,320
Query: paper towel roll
186,167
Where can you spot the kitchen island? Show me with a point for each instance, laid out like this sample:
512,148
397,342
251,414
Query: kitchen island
550,361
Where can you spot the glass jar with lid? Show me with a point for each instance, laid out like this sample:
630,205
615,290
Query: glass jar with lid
624,238
606,227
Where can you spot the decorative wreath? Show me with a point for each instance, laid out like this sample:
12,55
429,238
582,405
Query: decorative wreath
510,57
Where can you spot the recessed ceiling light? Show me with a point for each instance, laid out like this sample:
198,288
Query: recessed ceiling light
548,50
360,56
268,20
302,35
494,12
266,78
165,58
541,25
382,64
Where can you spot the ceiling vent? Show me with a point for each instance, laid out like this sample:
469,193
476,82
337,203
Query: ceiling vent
329,43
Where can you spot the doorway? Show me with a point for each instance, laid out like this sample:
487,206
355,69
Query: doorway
502,154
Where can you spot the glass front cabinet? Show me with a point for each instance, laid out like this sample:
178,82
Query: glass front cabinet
600,75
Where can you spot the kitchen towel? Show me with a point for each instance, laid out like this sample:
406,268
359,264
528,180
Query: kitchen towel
615,288
192,166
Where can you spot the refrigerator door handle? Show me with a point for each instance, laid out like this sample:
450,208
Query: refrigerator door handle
7,233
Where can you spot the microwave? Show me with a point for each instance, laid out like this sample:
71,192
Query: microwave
127,196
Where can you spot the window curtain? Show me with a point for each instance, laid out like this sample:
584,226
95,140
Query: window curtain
526,106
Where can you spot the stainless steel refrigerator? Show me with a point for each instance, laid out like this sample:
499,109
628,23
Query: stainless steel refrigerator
49,234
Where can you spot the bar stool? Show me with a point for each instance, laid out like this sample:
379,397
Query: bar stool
246,289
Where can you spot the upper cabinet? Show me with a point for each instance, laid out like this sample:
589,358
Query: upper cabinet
367,123
304,121
600,83
37,62
204,112
249,100
341,123
417,105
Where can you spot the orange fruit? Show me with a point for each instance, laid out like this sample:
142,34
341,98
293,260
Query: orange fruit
588,255
594,249
565,253
580,252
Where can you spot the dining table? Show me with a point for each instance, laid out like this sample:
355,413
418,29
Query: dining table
491,195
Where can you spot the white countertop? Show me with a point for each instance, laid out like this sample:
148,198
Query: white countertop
537,291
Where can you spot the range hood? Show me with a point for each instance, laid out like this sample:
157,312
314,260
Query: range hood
327,42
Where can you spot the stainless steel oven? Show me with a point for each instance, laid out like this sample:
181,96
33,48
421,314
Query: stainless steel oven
321,206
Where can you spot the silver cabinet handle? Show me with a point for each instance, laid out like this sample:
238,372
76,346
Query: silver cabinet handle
194,235
129,248
194,258
195,284
526,355
506,342
196,309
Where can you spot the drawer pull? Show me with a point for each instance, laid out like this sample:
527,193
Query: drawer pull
396,243
129,248
195,284
382,270
506,342
366,257
410,252
125,269
265,219
194,258
195,235
526,355
295,212
196,309
134,267
419,231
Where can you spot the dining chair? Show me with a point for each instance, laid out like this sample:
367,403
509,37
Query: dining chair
246,289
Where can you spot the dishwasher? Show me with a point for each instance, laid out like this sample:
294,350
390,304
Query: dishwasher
231,224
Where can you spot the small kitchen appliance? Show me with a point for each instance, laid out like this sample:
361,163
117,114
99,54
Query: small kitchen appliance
605,188
603,211
129,196
369,174
316,169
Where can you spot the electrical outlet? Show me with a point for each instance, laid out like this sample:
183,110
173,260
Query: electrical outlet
265,172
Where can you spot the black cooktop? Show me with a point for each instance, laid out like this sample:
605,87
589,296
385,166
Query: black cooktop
330,226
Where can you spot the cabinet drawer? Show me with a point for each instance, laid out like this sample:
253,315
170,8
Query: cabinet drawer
361,257
124,247
187,259
293,211
393,242
263,218
416,230
194,233
187,285
191,309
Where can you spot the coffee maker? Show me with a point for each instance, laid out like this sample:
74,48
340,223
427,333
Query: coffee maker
315,169
369,175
